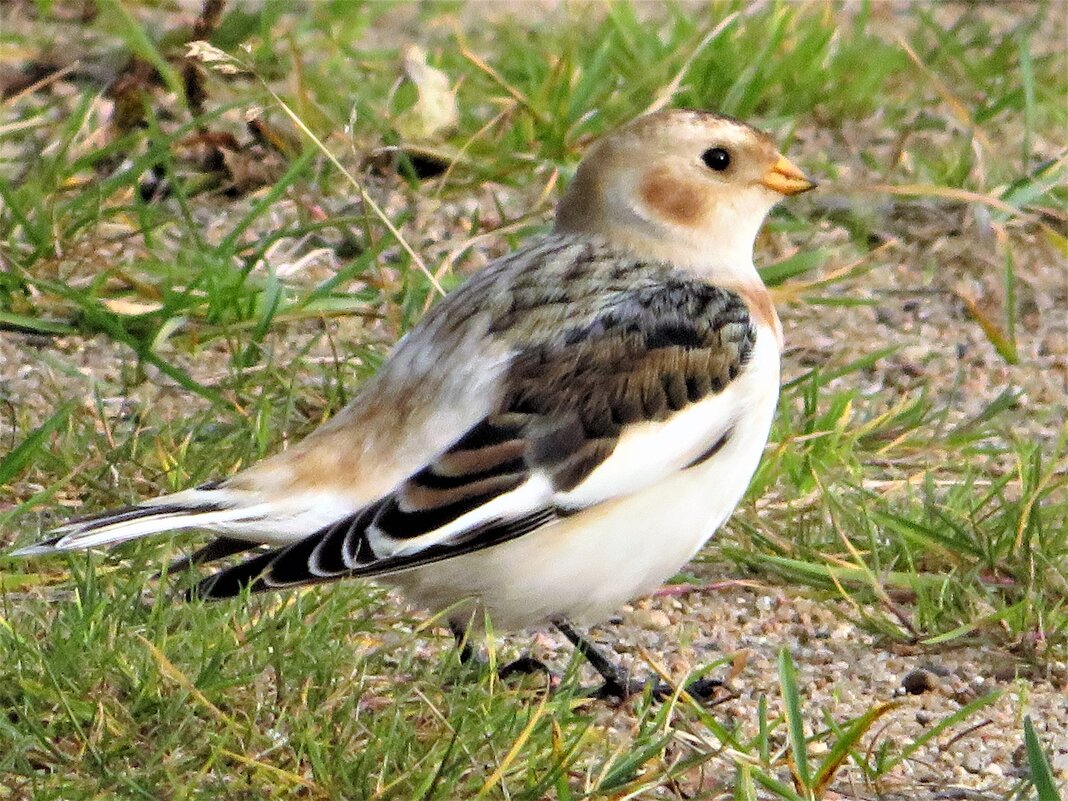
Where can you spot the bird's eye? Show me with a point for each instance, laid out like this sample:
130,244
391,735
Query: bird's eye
716,158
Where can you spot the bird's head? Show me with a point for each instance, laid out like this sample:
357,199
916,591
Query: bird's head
688,186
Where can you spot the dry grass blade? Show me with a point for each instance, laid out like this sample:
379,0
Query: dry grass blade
1002,343
950,193
37,86
959,109
517,747
287,776
218,59
170,670
842,746
497,78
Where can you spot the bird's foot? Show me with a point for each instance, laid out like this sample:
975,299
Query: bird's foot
617,685
528,666
524,666
706,691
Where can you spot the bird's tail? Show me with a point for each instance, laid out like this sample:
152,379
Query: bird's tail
209,506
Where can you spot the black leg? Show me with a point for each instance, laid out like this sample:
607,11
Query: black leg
616,682
459,633
708,691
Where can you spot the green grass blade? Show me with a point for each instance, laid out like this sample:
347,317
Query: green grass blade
229,244
794,722
763,740
743,784
12,464
973,426
1010,299
959,716
792,266
892,578
36,325
1041,772
974,625
1027,76
823,377
37,235
139,43
627,768
774,785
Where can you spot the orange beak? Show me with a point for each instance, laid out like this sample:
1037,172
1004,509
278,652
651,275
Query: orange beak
786,179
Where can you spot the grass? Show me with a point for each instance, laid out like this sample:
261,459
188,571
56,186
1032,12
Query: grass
929,518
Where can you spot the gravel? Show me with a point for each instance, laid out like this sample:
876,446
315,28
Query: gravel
842,672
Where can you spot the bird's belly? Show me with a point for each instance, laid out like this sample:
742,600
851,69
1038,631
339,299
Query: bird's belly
582,567
585,566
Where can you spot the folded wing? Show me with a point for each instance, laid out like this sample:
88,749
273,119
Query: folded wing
597,409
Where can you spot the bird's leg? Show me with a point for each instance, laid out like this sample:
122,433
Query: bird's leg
616,682
523,666
463,643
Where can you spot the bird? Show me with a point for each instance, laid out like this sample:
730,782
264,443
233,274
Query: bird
558,435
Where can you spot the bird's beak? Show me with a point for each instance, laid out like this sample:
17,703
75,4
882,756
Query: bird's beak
785,178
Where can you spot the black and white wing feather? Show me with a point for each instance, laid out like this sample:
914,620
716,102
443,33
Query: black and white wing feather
608,399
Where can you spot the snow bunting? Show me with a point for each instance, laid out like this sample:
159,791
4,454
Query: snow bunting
557,436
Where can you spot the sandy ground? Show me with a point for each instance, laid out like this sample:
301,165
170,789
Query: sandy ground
842,672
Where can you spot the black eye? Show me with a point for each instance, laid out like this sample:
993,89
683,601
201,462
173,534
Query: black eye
716,158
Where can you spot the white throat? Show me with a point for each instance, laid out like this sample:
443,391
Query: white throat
715,241
720,250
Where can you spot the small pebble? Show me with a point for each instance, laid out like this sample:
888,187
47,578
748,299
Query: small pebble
650,619
919,681
939,670
1019,756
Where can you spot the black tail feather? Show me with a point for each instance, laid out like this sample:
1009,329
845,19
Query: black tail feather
219,548
232,581
125,514
291,566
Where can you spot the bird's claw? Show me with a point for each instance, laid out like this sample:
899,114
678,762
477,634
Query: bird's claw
703,690
524,666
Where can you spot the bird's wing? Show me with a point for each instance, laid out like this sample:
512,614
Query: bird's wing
553,379
439,381
587,410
